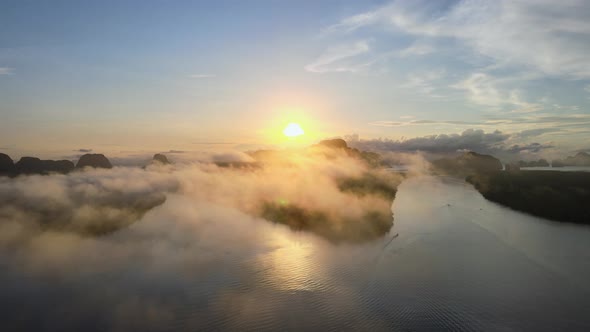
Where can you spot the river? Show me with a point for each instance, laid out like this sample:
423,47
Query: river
452,261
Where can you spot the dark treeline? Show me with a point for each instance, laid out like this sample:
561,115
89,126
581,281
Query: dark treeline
560,196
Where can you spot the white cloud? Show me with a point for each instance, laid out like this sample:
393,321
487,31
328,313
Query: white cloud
336,59
484,89
481,89
522,106
548,36
416,49
573,123
6,71
423,82
352,23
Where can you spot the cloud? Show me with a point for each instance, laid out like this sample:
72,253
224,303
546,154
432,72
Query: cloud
206,235
517,121
471,139
481,89
83,150
549,37
484,89
417,49
529,148
6,71
198,76
536,132
99,201
353,23
423,82
96,201
184,224
337,58
422,122
496,142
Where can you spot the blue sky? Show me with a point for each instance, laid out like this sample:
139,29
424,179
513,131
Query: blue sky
175,74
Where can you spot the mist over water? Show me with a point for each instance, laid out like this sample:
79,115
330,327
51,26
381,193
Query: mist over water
452,261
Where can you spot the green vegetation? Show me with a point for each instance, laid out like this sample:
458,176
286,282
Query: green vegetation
372,226
376,221
370,184
561,196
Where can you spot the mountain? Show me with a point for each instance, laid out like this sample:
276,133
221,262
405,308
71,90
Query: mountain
94,160
160,158
6,165
467,163
32,165
534,163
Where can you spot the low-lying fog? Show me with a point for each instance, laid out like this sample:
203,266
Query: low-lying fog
195,253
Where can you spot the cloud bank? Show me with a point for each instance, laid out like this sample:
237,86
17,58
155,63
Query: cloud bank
501,144
170,224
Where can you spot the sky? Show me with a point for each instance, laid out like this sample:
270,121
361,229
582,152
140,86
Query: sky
182,75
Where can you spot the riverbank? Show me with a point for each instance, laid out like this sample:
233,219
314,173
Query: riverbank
559,196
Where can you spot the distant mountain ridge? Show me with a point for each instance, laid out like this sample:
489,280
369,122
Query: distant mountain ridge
467,163
33,165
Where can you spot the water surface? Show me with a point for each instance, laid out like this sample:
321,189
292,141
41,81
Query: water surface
453,261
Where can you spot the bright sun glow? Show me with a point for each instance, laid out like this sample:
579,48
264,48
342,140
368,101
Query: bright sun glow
293,130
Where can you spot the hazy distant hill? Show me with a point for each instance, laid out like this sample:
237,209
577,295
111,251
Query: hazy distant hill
580,159
467,163
534,163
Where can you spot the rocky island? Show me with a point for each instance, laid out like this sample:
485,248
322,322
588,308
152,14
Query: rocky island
374,189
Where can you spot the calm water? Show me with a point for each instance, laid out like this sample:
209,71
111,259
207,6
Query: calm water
458,263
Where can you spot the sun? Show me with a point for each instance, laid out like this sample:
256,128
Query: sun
293,130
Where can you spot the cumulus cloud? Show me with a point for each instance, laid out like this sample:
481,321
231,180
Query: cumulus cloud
471,139
506,146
